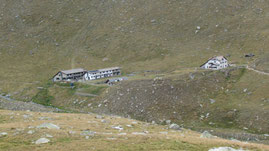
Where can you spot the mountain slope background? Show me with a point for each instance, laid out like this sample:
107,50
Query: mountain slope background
173,37
44,37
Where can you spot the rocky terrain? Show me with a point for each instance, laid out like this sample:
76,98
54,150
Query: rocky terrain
60,131
23,106
205,100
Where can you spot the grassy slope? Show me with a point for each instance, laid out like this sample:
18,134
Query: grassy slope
240,101
40,38
77,123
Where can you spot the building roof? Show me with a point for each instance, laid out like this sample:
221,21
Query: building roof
93,71
112,68
219,57
73,71
105,69
216,57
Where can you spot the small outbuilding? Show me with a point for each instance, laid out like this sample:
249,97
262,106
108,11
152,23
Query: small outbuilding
216,63
249,55
115,80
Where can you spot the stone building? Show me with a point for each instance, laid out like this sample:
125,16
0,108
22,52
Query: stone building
70,75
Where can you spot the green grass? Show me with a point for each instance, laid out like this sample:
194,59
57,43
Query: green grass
92,89
3,119
7,144
43,97
64,139
159,145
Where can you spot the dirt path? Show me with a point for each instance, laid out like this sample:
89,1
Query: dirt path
85,94
260,72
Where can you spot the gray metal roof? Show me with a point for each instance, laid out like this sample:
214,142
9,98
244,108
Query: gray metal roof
105,69
93,71
112,68
73,71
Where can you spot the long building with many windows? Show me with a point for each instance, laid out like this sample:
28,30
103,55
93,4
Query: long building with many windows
102,73
81,74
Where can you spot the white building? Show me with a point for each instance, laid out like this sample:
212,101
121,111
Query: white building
216,63
102,73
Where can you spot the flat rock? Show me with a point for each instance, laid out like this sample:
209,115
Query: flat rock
42,141
87,133
225,149
45,118
117,127
49,136
3,134
139,133
48,126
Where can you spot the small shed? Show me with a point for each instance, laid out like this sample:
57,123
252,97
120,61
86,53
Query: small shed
114,80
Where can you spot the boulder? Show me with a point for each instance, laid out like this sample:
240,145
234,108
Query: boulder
212,101
174,127
30,132
42,141
225,149
206,134
168,122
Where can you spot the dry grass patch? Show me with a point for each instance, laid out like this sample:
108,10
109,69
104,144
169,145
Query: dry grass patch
135,135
